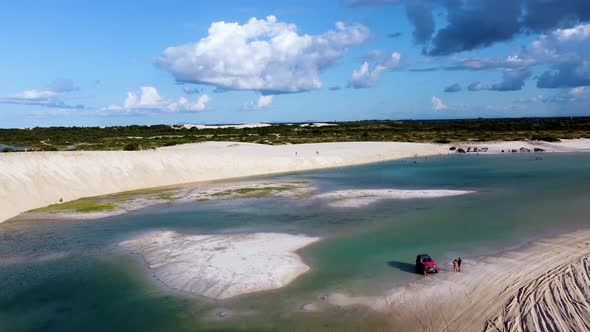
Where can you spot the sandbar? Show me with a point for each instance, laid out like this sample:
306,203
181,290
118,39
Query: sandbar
355,198
222,266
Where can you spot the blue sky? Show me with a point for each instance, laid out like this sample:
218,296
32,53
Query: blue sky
100,63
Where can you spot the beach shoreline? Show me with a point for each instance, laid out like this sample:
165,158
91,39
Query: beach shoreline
31,180
540,285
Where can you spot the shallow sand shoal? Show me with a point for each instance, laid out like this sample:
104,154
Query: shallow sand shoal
31,180
544,286
222,266
193,192
355,198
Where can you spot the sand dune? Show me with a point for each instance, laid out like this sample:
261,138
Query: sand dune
222,266
32,180
544,286
236,126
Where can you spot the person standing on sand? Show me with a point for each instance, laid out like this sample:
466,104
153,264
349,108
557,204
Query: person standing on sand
455,265
459,264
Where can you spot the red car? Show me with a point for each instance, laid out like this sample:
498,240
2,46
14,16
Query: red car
425,264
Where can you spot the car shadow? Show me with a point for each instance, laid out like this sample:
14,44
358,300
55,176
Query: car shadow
403,266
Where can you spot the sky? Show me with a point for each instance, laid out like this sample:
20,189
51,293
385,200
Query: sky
103,63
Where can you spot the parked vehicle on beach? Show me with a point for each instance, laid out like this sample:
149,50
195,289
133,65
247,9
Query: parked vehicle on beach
425,264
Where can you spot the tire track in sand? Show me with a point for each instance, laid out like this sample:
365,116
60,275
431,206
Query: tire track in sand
558,300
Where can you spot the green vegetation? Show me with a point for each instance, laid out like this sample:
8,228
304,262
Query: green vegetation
442,131
80,206
254,192
132,147
160,193
165,196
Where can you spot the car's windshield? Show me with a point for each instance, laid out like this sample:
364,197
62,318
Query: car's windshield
426,259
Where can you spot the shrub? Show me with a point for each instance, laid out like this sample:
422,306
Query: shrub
545,138
131,147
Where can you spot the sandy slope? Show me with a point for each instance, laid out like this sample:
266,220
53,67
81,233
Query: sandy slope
222,266
32,180
544,286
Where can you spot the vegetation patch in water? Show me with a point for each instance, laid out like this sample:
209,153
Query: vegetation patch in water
165,194
254,192
79,206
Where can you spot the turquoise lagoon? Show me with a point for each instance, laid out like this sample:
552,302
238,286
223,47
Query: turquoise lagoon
72,276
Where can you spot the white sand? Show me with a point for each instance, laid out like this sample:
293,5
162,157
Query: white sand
30,180
576,145
318,124
222,266
363,197
544,286
236,126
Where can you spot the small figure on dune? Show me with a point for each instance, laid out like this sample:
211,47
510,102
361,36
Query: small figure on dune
459,264
455,266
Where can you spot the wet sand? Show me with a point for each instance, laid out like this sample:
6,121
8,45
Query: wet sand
356,198
222,266
544,286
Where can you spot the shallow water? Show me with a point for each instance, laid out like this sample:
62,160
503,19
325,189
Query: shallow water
71,275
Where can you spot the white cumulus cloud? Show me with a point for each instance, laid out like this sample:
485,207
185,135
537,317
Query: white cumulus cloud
437,104
365,77
36,94
148,98
261,103
44,98
50,97
579,93
262,55
579,32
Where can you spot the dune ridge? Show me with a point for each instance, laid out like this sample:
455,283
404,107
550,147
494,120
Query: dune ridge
30,180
